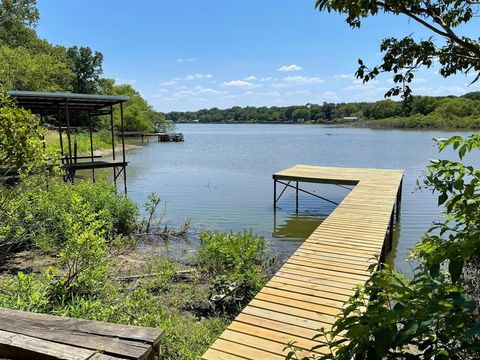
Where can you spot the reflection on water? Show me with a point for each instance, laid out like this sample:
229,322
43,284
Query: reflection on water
221,178
295,226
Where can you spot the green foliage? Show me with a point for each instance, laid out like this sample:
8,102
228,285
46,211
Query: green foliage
87,68
47,218
455,53
23,69
19,11
20,136
301,114
432,315
138,114
238,263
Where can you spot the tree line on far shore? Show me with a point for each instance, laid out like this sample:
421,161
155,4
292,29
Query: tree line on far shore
416,111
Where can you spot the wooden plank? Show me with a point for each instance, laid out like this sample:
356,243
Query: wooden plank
304,288
258,343
213,354
13,344
299,304
279,337
247,352
310,283
290,310
285,318
303,298
276,326
355,278
152,335
111,339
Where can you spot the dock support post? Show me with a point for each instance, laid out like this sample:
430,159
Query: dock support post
390,232
296,197
399,201
123,150
274,194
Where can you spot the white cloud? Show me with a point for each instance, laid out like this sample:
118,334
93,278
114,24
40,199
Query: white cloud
304,79
266,79
358,84
202,90
125,81
292,67
344,76
250,78
329,95
441,90
168,83
269,93
238,83
184,93
185,60
303,92
419,80
278,85
197,76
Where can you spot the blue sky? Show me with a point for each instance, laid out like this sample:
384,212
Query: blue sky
193,54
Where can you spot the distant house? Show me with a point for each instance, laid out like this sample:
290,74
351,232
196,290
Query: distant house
196,121
350,118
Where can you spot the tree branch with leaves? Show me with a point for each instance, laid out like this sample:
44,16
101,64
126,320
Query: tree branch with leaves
456,53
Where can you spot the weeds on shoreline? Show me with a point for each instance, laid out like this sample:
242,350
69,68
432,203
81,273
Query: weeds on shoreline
85,227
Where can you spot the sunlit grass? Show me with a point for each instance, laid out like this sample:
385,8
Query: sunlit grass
101,140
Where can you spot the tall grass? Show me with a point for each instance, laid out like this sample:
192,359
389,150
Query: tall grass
101,140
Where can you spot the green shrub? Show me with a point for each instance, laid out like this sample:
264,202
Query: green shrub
238,263
144,303
46,218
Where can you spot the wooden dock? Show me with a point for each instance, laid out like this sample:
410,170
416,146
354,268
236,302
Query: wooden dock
26,335
310,289
161,136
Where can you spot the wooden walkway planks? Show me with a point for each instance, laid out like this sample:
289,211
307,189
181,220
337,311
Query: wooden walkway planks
310,289
38,336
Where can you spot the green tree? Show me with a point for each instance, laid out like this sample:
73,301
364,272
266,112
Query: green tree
138,114
474,95
87,68
301,114
455,52
18,18
23,69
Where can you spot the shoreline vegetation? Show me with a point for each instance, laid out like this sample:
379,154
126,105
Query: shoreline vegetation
102,142
418,112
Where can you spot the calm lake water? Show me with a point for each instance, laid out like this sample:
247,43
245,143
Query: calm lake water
221,178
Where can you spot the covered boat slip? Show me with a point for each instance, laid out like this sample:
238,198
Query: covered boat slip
310,289
63,109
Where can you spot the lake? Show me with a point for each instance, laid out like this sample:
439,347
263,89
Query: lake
221,178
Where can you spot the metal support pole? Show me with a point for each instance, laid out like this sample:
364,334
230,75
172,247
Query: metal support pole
60,132
123,150
274,194
91,146
296,197
113,132
67,116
